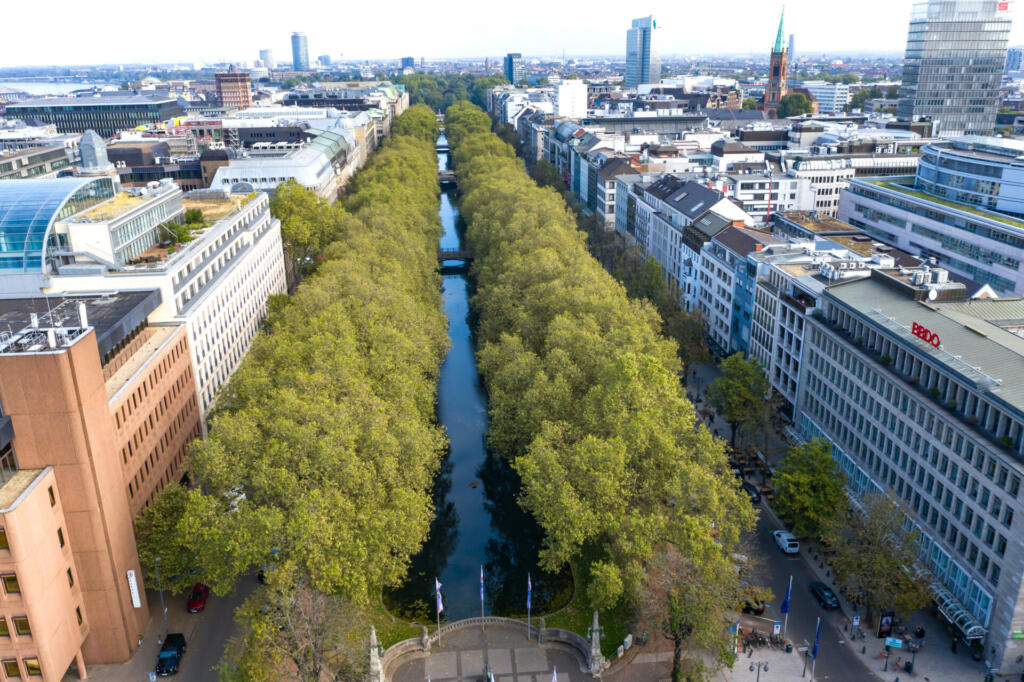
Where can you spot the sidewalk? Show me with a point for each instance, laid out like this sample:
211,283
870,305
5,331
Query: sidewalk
935,662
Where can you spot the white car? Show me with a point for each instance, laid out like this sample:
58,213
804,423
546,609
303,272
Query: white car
786,542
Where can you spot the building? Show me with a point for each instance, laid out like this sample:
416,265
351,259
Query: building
778,65
916,386
571,99
33,162
964,208
233,89
408,63
956,50
643,63
106,112
300,52
1014,59
267,59
99,409
87,237
832,98
514,70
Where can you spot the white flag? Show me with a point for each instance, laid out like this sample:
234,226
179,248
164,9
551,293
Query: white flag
437,589
554,675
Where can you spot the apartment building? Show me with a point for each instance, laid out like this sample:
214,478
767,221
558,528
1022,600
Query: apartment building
916,386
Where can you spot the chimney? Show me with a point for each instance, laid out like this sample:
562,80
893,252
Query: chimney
82,317
33,320
51,338
758,247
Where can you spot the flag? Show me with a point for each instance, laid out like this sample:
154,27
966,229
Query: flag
492,677
529,590
784,609
481,584
554,675
437,589
817,636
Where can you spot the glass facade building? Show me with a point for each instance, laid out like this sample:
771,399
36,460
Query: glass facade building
513,68
643,65
300,52
956,50
28,209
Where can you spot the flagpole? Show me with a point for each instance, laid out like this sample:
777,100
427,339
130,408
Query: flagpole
529,589
789,592
817,636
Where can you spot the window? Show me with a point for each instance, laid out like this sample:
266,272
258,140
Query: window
78,614
3,539
11,585
60,536
53,499
21,625
32,666
11,668
71,579
4,631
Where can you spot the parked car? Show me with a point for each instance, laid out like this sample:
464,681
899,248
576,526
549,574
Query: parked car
756,608
786,542
824,595
197,600
169,660
755,496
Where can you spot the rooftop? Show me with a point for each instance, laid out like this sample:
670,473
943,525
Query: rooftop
137,357
112,208
898,185
215,208
16,485
100,99
818,223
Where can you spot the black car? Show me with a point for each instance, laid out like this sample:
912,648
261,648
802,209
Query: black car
170,655
755,496
824,595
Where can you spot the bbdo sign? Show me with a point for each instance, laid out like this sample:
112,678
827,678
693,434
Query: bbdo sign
925,334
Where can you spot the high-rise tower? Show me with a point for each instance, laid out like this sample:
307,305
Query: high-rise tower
777,67
643,65
300,52
956,50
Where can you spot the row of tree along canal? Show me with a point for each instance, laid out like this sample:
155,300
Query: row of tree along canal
478,522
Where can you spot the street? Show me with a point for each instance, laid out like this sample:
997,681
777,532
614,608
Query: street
836,661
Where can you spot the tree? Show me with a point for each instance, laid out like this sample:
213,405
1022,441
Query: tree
291,630
157,536
691,603
892,92
810,489
876,556
194,215
739,395
545,174
750,103
794,104
308,225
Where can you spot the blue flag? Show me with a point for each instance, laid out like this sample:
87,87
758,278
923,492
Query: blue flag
437,589
817,636
481,584
529,590
784,609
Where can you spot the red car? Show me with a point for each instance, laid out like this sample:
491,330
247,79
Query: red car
197,600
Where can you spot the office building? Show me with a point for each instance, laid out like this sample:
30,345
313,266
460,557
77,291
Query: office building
916,386
1014,58
267,59
324,60
33,162
792,41
408,63
778,65
106,112
99,409
956,50
832,97
514,70
964,208
571,99
643,64
92,238
300,52
233,89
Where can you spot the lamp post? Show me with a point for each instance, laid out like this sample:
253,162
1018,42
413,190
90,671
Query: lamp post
160,588
760,665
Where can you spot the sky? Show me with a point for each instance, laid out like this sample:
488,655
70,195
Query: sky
192,31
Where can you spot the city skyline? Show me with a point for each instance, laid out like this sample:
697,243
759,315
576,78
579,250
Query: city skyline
466,30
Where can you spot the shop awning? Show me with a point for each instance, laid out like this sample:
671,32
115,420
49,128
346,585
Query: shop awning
955,613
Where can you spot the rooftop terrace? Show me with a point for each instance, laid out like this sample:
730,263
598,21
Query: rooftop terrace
15,484
108,210
908,190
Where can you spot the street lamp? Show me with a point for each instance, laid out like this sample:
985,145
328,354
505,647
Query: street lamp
760,665
160,588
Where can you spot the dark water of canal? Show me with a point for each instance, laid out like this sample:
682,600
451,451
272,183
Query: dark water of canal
478,521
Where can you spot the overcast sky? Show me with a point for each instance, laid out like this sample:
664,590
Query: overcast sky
75,32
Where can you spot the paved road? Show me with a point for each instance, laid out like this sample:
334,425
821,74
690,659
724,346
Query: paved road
836,662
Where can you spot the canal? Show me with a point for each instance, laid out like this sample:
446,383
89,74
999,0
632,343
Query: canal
478,521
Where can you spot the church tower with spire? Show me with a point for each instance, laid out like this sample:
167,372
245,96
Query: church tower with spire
777,67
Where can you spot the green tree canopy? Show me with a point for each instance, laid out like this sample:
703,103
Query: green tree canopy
157,536
740,394
794,104
750,103
892,92
810,489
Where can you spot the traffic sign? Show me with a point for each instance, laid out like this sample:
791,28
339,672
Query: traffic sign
776,628
894,642
856,620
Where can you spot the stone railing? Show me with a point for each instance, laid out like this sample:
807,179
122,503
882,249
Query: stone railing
411,649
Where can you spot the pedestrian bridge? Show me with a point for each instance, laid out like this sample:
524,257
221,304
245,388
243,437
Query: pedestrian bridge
446,177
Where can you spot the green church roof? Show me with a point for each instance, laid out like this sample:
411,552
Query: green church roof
780,44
